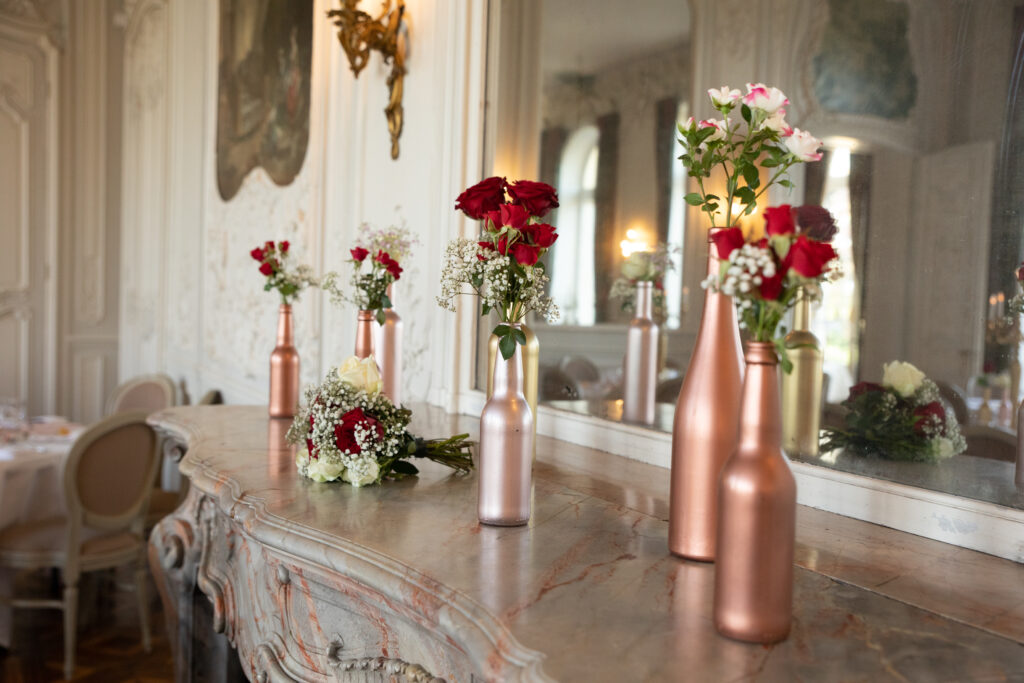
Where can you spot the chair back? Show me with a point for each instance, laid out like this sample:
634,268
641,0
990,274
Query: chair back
211,398
580,369
955,398
147,393
110,472
994,443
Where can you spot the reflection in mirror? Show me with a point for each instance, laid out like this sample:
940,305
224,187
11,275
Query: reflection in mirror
918,106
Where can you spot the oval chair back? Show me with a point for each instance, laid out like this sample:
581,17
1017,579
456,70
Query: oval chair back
146,393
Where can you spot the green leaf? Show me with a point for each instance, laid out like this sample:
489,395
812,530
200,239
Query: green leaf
519,336
502,330
751,175
745,195
769,163
405,467
786,183
745,113
694,199
486,309
385,301
507,346
380,316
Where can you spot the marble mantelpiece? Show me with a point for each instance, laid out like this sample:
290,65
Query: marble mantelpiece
309,580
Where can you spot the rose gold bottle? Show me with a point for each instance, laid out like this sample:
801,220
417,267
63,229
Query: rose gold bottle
757,515
506,448
704,430
1018,477
387,344
284,368
364,334
640,369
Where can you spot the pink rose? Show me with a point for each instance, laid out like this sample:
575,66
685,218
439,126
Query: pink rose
760,96
803,145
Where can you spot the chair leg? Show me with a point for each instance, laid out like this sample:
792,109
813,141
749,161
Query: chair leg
70,628
140,590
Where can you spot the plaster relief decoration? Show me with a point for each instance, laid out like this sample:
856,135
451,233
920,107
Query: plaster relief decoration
263,96
864,65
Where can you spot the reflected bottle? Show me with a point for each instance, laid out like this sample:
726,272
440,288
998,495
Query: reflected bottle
506,448
801,387
757,515
704,429
640,370
284,368
387,346
1018,476
364,334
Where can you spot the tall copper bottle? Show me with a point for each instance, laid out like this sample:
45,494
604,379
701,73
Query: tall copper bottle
801,387
1018,477
704,429
506,448
387,344
364,334
640,368
284,368
757,515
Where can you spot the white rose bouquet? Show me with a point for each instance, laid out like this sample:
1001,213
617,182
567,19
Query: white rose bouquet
902,418
353,432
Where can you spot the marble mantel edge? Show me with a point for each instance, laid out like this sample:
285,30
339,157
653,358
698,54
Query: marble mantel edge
462,620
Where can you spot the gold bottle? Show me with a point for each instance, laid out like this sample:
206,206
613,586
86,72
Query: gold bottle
801,388
531,365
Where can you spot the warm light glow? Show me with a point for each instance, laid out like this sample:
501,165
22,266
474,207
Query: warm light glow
635,241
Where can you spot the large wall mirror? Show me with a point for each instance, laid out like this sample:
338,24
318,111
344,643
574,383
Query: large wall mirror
917,102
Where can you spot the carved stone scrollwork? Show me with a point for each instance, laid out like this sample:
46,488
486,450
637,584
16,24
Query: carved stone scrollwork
389,669
208,580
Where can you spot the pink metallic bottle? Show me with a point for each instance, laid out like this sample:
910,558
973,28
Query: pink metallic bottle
757,515
387,346
284,368
640,369
704,431
506,448
364,334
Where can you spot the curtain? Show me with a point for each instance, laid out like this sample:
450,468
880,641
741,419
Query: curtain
552,142
605,242
814,180
664,142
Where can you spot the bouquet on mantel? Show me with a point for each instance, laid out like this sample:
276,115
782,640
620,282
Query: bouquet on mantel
644,266
765,275
353,432
503,264
382,251
902,418
276,266
763,140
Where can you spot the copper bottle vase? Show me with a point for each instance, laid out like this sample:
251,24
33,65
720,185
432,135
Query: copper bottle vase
387,344
1018,477
284,368
364,334
531,367
640,367
704,428
506,448
801,387
757,515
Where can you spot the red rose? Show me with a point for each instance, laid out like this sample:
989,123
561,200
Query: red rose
509,215
864,388
502,245
487,246
525,254
808,257
541,234
932,413
771,287
257,254
726,241
537,198
778,220
345,433
485,196
1020,273
358,254
283,246
267,269
269,246
816,222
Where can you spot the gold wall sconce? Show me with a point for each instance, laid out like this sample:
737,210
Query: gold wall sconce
360,34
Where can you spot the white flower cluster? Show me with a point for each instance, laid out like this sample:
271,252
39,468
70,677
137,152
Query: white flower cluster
396,241
461,267
747,268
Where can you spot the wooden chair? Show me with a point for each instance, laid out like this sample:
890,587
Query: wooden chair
146,393
994,443
108,479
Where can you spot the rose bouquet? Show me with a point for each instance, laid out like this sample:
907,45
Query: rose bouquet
275,264
382,251
902,418
503,264
353,432
763,140
766,275
644,266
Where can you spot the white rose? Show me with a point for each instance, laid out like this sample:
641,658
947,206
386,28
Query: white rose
321,470
723,96
362,472
719,127
638,266
362,374
760,96
901,377
803,145
943,448
777,122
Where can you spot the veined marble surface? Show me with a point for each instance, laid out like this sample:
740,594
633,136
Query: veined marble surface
587,591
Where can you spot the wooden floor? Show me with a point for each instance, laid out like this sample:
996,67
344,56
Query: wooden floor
109,639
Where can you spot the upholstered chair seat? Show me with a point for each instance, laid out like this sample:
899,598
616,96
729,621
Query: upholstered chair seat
44,543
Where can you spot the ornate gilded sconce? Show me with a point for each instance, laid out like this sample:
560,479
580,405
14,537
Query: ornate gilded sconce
359,34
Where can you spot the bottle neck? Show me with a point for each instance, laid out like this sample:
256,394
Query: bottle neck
285,336
508,374
644,300
760,414
802,312
391,296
